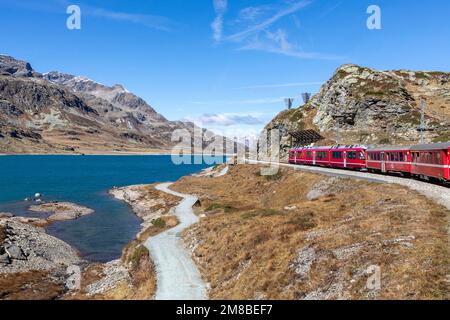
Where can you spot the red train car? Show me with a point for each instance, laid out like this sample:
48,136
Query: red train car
351,157
431,161
389,159
427,161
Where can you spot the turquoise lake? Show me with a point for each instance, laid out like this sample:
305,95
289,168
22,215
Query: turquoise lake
85,180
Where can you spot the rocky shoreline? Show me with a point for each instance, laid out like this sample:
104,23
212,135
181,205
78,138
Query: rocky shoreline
132,276
25,248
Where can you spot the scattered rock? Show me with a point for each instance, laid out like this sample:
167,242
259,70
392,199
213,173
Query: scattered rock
114,273
29,248
303,262
348,251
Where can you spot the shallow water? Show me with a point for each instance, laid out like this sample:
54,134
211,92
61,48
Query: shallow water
85,180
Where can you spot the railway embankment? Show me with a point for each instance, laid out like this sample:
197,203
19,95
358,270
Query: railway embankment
319,235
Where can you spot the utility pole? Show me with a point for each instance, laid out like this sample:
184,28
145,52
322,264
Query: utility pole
306,97
289,102
422,121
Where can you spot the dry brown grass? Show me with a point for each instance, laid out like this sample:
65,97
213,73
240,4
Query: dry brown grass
248,252
36,285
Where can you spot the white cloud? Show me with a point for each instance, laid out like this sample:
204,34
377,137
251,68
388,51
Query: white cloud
220,7
231,125
229,119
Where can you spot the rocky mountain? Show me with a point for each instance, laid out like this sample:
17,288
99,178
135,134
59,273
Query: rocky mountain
373,107
59,113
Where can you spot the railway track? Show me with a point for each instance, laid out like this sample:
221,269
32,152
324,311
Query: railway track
438,193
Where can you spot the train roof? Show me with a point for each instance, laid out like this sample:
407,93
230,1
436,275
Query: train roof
432,146
339,147
390,148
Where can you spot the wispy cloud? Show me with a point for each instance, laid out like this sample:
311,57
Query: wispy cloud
147,20
292,8
220,7
277,42
257,23
282,85
240,102
59,6
330,9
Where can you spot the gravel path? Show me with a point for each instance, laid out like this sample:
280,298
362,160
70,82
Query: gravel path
437,193
177,275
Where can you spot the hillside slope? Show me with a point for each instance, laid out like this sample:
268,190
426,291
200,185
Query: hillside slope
61,113
374,107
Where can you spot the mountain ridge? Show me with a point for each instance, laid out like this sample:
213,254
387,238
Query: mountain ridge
56,112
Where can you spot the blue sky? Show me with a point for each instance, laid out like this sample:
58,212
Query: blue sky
228,63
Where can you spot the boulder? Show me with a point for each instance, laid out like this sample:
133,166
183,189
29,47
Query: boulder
4,259
14,252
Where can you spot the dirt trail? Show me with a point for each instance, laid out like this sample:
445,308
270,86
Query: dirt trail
177,275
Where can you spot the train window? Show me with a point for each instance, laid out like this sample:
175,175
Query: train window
361,156
337,155
392,156
439,158
351,155
308,154
396,156
400,157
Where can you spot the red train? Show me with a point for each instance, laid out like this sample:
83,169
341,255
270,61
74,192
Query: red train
427,161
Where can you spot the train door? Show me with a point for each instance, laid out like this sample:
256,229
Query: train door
314,158
345,159
383,163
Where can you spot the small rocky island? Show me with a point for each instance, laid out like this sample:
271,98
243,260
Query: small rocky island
61,211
